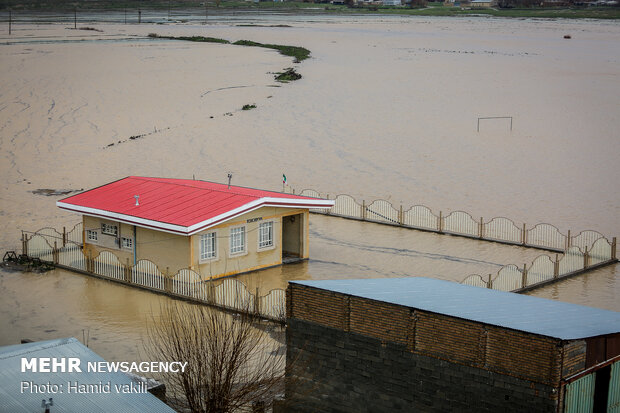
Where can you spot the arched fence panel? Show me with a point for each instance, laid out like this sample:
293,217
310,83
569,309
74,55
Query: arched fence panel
189,283
108,265
382,211
39,247
273,305
572,261
347,206
502,229
509,278
585,239
542,269
460,222
600,251
234,295
72,256
147,274
314,194
75,235
50,234
420,216
475,280
546,236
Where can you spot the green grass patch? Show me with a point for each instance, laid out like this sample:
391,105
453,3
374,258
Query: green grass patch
288,75
248,106
191,38
299,53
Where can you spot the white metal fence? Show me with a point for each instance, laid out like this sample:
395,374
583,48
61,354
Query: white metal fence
545,269
228,293
500,229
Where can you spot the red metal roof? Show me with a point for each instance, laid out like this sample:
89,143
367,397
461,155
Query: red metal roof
178,205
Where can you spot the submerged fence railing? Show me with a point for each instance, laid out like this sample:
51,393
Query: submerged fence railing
64,249
586,250
544,269
498,229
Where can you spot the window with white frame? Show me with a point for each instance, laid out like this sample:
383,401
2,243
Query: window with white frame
265,235
208,246
109,229
91,235
237,240
127,243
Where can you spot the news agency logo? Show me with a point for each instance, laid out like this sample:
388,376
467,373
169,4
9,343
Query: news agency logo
74,365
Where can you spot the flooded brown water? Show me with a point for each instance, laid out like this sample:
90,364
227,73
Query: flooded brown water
387,108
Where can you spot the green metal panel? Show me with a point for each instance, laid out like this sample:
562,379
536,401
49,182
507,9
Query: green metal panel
613,398
580,395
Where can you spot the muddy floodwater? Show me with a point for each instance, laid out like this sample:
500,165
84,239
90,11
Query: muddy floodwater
387,107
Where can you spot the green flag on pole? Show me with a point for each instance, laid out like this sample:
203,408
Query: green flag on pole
283,179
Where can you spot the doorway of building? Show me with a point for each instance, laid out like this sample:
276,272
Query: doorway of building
292,238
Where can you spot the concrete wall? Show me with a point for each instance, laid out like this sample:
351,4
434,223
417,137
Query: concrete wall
353,347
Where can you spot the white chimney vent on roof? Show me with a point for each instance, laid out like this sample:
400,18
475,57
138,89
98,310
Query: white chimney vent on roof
137,197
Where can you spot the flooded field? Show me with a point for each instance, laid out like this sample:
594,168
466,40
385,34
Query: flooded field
388,108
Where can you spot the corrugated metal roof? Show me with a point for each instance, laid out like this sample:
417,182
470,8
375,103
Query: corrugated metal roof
13,400
181,206
515,311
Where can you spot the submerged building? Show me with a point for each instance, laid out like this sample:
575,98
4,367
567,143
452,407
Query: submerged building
426,345
211,228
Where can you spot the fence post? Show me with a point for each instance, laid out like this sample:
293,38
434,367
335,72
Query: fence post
364,210
167,281
329,209
210,292
127,272
64,236
139,16
490,282
524,276
440,222
568,240
613,248
556,267
400,215
24,246
480,229
55,253
524,235
89,261
256,303
586,259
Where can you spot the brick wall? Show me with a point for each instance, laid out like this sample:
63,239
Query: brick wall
337,371
448,357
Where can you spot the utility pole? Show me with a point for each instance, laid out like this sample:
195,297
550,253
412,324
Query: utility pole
10,21
75,18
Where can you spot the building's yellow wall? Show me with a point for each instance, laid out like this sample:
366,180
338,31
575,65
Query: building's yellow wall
175,252
225,264
164,249
107,242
